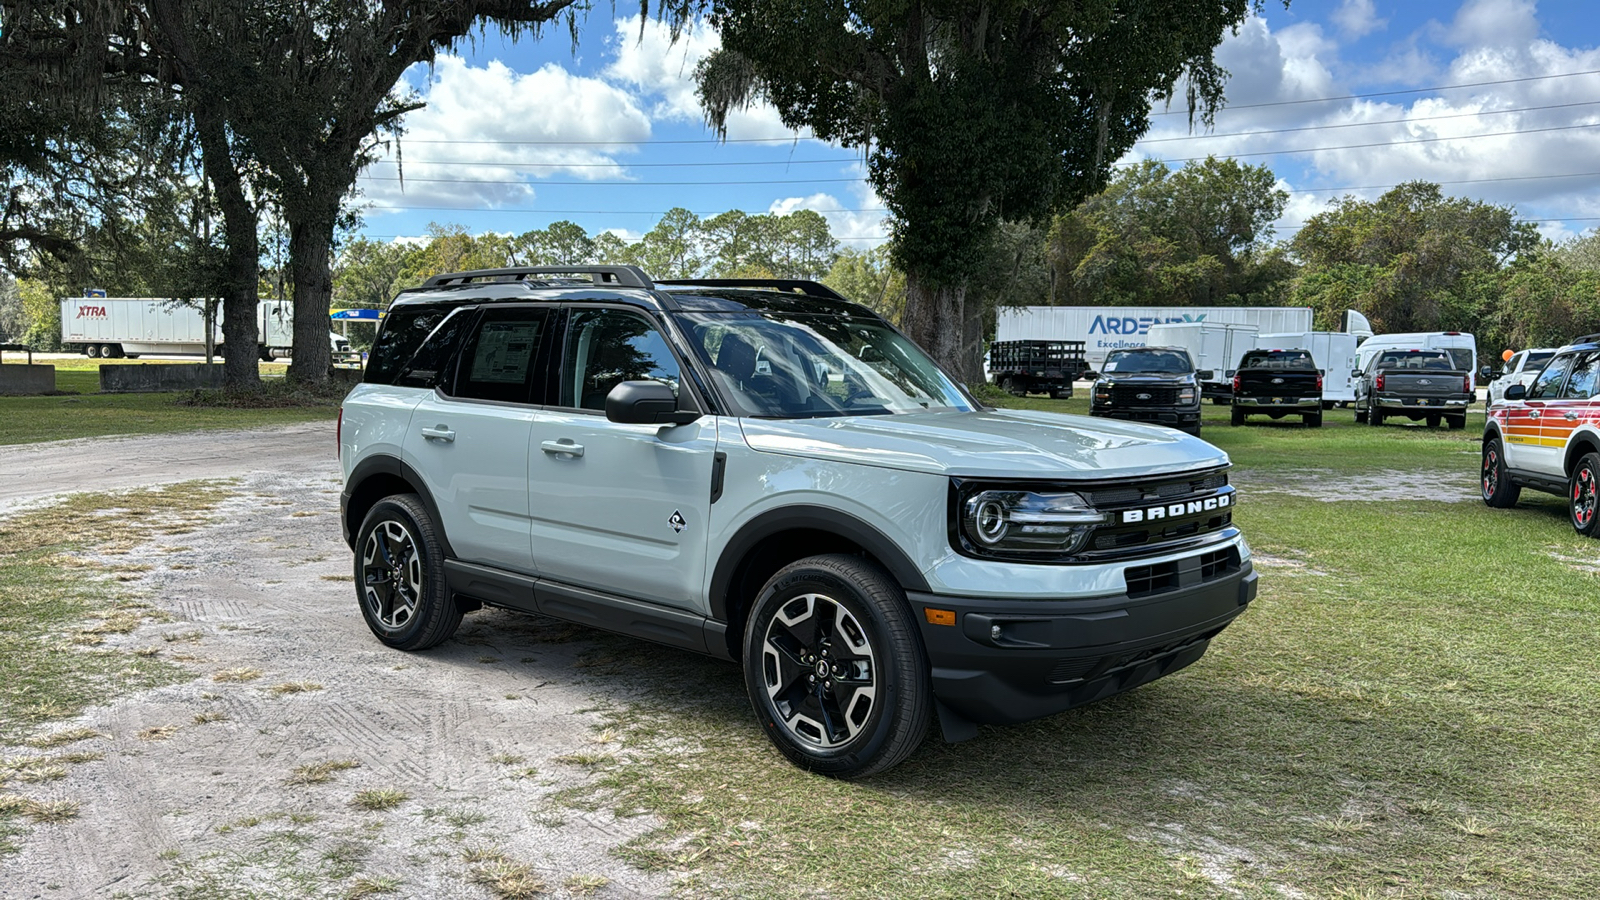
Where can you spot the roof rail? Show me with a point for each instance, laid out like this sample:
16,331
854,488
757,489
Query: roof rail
792,285
1587,339
622,276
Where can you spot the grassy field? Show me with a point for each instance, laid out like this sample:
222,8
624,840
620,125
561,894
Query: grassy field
84,412
1411,708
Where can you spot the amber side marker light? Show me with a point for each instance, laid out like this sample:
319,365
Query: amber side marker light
939,616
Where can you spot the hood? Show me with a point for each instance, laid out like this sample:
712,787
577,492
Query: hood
1000,443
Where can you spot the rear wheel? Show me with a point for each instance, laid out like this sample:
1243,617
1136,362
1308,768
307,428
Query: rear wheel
1012,386
1456,423
1313,420
1375,415
1238,416
835,668
1583,493
1495,481
400,576
1361,416
1433,421
91,350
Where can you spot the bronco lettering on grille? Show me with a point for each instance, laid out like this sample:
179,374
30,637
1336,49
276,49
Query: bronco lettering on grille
1175,510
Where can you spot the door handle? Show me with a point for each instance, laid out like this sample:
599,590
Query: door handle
439,433
1570,417
563,447
1533,414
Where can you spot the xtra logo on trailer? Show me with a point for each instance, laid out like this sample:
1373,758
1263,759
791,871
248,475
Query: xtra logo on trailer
1131,325
91,312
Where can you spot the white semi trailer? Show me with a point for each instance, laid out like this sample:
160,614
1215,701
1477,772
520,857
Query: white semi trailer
114,327
1107,328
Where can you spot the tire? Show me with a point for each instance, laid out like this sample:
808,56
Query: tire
1433,421
1219,401
1361,416
1313,420
1583,496
398,544
847,607
1238,416
91,350
1375,416
266,354
1010,386
131,355
1456,423
1494,481
1061,395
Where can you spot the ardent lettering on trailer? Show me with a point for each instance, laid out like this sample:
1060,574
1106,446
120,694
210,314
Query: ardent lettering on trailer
1135,325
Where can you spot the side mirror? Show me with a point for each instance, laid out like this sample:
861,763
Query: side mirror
1516,392
646,403
1206,374
1483,372
1355,373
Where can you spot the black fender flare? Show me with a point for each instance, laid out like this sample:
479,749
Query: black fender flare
817,518
384,464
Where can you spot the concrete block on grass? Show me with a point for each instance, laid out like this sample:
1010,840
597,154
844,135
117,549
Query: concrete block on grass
148,378
26,379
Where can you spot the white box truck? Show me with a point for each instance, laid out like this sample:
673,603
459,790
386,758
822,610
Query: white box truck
1334,353
1215,347
114,327
1107,328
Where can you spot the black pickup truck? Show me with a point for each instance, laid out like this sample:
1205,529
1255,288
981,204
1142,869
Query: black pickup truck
1278,383
1037,367
1150,384
1417,384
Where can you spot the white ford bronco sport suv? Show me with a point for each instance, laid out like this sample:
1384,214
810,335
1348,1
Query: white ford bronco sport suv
765,472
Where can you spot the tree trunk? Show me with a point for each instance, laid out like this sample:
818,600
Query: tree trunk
240,371
934,318
310,267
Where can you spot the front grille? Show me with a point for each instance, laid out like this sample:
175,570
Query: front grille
1136,395
1192,571
1101,498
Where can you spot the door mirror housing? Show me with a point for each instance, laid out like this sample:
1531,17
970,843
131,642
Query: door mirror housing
1206,374
1516,392
1483,372
1355,373
646,403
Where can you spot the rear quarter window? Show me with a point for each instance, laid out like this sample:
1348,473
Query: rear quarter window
404,330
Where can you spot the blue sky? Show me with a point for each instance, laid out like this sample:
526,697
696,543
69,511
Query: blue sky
518,135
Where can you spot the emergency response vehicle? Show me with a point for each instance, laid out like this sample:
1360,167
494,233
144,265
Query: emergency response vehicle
1547,436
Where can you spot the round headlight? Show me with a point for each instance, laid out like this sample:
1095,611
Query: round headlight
989,522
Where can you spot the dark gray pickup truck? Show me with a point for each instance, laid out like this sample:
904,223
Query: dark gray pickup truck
1417,384
1278,383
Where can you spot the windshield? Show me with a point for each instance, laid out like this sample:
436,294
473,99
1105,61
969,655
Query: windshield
1536,359
1124,362
785,366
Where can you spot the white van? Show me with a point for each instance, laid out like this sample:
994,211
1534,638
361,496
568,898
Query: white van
1462,347
1333,352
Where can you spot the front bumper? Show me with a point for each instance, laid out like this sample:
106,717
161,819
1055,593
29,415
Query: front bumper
1052,655
1447,403
1293,404
1161,416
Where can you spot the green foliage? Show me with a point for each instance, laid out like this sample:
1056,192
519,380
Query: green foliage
869,277
1545,302
1199,236
1412,260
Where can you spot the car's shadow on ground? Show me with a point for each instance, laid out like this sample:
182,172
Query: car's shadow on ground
1261,749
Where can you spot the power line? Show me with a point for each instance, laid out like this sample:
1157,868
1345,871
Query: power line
1384,187
614,183
612,165
1432,140
1422,90
1492,112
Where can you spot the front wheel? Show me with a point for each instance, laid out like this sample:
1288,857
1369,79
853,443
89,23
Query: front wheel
835,668
1583,489
399,576
1237,417
1498,491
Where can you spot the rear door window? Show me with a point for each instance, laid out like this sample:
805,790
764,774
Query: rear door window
434,362
500,362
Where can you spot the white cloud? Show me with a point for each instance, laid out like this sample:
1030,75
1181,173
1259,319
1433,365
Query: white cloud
483,139
862,220
661,72
1357,18
1493,23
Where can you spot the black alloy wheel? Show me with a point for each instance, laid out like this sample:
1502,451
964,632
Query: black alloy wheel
1583,493
399,574
835,667
1495,483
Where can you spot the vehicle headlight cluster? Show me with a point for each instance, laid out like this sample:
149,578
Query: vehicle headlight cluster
1025,523
1102,391
1186,395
